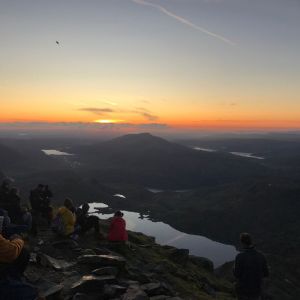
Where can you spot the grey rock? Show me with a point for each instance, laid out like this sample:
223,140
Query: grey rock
135,293
92,283
113,290
152,289
48,288
56,264
157,288
65,244
87,252
103,251
160,297
102,260
180,256
202,262
82,296
106,271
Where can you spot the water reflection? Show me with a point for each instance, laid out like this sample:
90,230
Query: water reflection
166,235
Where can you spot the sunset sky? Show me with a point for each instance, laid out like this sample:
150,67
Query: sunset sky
177,63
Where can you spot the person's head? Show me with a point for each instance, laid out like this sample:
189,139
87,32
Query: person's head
246,239
40,187
14,191
85,208
7,183
68,203
119,214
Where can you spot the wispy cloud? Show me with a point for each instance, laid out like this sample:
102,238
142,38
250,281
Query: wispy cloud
96,110
110,103
184,21
146,113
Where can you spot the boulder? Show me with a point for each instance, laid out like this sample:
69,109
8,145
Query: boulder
180,256
87,252
56,264
157,288
202,262
135,293
112,290
82,296
65,244
48,289
91,283
102,251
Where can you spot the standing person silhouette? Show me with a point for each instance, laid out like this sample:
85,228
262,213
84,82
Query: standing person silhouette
249,270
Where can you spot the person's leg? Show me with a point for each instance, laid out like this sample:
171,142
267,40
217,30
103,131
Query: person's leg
49,214
91,222
18,267
17,290
27,219
14,229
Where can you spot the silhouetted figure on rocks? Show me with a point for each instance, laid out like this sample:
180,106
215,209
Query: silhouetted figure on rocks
40,199
86,222
5,190
18,214
117,229
249,270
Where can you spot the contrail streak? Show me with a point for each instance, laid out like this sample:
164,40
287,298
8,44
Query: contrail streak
184,21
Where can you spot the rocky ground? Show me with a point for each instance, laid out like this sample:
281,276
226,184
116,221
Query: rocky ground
91,269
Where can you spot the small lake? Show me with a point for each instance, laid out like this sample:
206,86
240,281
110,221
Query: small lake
166,235
204,149
155,190
242,154
55,152
248,155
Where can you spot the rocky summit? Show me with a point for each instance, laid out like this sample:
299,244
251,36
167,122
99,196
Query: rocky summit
91,269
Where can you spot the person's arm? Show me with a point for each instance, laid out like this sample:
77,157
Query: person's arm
265,267
10,250
237,269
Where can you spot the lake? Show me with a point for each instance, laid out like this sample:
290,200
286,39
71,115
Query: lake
55,152
248,155
166,235
242,154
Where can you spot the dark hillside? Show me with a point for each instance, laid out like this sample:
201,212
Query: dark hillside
151,161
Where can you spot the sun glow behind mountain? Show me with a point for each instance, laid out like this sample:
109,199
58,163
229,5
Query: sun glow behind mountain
105,121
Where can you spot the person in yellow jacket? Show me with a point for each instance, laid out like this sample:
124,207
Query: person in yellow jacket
68,217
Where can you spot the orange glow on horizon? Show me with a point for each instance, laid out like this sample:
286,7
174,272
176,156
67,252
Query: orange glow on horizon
105,121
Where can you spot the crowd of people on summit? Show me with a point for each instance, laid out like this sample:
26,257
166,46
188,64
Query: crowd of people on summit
18,220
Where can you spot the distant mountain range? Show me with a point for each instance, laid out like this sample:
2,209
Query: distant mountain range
151,161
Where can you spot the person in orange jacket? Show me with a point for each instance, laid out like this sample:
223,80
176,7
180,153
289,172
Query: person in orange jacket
14,258
117,229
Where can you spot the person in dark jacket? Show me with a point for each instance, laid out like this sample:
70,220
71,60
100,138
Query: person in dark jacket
249,270
117,229
86,222
4,191
40,199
